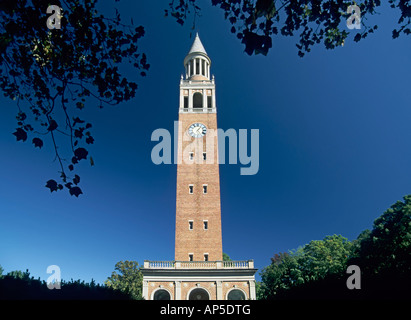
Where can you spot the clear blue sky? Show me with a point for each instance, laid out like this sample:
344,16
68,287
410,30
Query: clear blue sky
334,152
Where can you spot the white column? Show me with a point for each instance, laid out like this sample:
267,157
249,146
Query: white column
190,100
219,285
200,64
194,66
252,290
213,99
145,290
188,69
204,99
177,293
181,99
208,71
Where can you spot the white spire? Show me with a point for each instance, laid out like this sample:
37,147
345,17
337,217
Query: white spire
197,62
197,46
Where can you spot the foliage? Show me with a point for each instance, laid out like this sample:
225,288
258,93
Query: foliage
280,275
323,257
256,22
388,246
314,261
127,278
18,274
226,257
53,74
318,270
18,285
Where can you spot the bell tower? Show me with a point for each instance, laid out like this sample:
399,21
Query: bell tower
198,214
198,271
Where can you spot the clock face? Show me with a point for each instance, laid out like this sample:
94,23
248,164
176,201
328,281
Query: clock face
197,130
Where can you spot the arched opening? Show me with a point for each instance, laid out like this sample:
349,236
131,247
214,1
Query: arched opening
197,100
161,294
236,294
199,294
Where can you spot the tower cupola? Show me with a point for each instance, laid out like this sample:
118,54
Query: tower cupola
197,62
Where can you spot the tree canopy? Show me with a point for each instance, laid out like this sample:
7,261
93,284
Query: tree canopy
318,269
127,278
312,262
256,23
19,285
53,74
387,246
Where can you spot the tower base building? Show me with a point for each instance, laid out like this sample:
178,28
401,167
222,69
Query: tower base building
192,280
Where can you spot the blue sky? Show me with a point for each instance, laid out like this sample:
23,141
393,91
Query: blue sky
334,152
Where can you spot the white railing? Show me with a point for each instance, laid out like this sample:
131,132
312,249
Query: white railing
160,264
196,264
236,264
244,264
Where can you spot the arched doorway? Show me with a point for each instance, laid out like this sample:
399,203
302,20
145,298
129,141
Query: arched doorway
236,294
161,294
199,294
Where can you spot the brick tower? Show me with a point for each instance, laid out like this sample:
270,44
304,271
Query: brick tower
198,271
198,213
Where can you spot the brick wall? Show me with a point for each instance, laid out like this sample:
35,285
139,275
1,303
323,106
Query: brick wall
198,207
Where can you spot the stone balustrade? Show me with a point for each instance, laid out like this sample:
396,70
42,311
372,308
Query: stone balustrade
243,264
